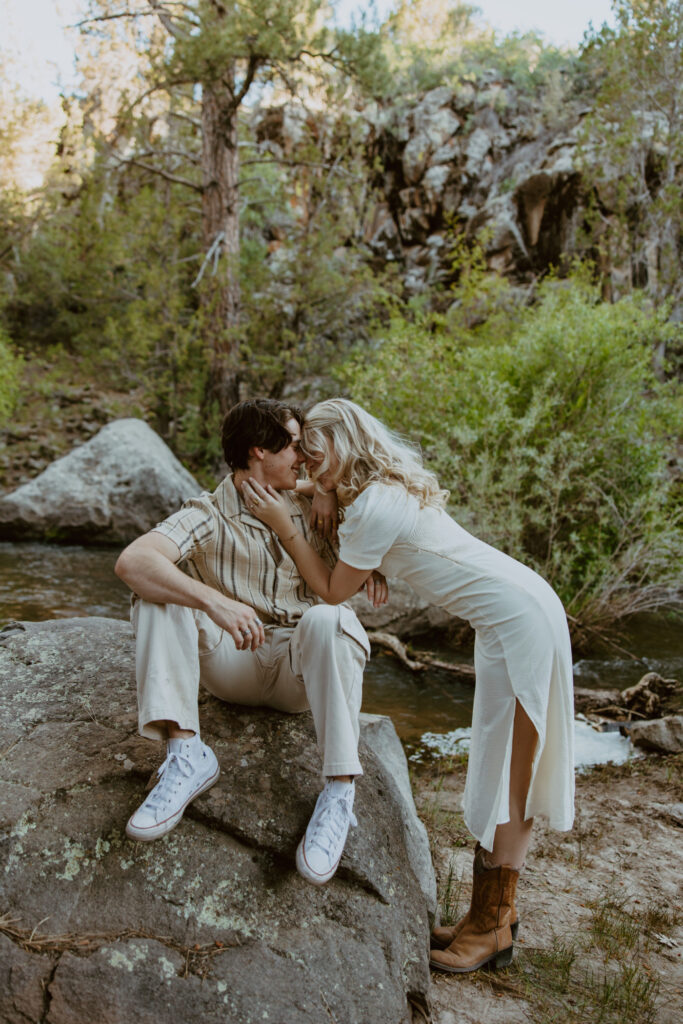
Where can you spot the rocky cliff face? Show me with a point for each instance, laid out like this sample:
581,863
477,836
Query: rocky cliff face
469,159
479,159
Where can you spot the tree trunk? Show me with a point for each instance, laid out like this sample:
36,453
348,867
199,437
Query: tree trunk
220,294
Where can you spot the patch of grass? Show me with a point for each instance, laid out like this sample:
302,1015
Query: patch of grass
658,917
439,820
624,996
602,978
612,928
451,896
550,967
572,846
562,989
447,825
664,770
454,763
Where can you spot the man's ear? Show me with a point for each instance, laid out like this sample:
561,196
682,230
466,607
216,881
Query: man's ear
257,453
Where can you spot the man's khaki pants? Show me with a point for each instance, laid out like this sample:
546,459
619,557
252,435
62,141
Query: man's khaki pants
318,665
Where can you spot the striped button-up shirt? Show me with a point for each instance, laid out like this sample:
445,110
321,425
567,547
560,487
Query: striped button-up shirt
223,545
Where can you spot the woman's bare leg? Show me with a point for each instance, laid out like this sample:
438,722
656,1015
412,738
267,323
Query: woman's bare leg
512,839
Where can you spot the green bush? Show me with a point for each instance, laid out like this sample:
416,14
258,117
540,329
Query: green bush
10,377
552,433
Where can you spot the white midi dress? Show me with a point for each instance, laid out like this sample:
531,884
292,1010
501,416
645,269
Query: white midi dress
522,649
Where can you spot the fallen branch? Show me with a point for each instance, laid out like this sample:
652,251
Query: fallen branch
422,661
392,643
196,956
458,668
615,709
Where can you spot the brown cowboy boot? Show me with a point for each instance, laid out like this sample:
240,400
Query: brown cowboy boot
486,935
442,937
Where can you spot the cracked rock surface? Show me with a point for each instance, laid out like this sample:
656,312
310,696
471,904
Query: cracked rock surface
212,922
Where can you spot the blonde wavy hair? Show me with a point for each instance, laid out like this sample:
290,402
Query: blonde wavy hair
368,452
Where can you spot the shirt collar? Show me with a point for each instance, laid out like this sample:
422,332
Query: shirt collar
232,506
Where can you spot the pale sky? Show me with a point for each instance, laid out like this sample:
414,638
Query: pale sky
40,48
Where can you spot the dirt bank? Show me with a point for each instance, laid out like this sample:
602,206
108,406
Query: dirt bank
601,936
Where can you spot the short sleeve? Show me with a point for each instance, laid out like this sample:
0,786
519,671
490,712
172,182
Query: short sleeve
191,527
373,523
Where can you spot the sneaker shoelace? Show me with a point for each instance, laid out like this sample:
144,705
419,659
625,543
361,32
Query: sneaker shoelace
171,774
330,823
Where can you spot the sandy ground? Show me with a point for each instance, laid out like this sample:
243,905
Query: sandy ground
601,936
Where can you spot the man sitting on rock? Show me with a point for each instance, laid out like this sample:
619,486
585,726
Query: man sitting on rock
239,618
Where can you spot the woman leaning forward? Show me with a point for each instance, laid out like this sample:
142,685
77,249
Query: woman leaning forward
521,756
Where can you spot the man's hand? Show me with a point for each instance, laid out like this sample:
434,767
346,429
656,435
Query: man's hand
377,589
237,619
324,514
148,566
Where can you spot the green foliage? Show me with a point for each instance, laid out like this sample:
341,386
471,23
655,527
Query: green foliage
549,428
435,42
307,295
305,306
107,279
633,140
10,377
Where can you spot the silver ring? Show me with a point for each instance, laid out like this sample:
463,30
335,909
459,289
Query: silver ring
258,622
245,632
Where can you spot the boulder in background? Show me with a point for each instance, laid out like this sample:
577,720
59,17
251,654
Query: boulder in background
107,491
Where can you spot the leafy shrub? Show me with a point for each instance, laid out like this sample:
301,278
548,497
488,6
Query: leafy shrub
10,377
552,432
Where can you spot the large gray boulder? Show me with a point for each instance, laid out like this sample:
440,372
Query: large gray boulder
108,491
211,923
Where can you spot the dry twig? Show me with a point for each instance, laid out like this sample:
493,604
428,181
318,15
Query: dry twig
196,957
422,660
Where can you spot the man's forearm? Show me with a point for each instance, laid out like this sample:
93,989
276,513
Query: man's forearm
151,573
148,567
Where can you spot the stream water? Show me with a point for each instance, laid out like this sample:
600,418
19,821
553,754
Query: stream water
431,710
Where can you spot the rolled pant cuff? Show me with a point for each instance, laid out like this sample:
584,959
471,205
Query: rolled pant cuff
186,719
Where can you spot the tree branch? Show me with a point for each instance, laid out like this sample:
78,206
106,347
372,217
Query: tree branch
166,20
166,152
300,163
186,117
392,643
252,68
176,179
111,17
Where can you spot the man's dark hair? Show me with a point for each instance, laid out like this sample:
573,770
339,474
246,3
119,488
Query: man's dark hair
258,423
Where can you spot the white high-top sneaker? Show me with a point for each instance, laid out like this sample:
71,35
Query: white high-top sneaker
189,769
320,850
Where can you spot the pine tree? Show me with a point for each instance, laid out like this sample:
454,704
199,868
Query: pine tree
216,54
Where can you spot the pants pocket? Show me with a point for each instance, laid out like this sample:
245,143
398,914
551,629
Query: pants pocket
210,636
350,627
